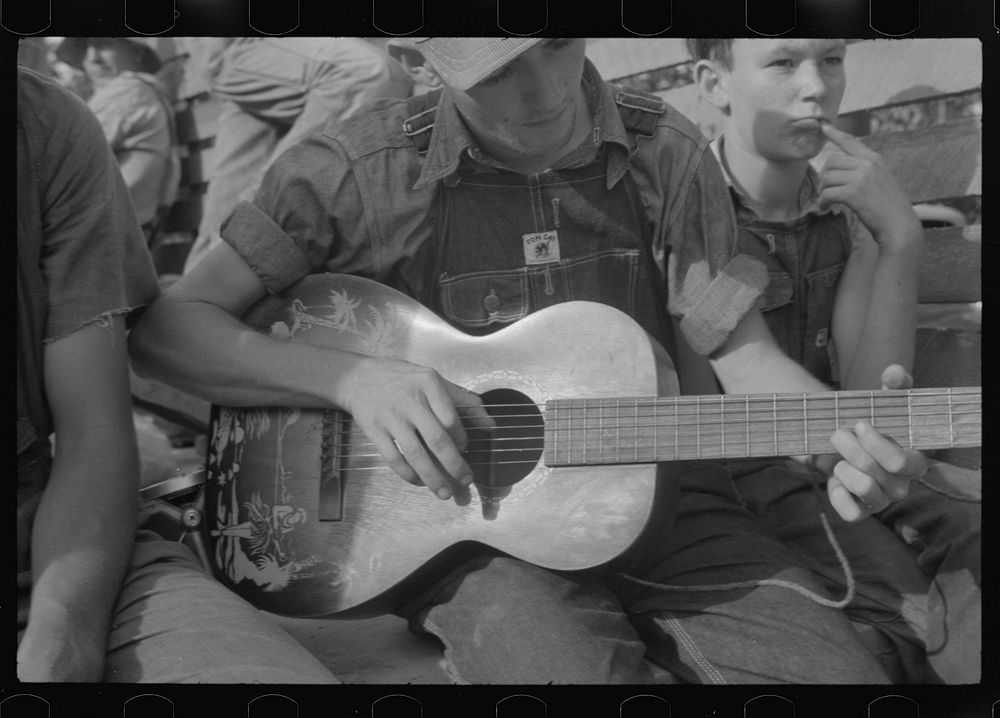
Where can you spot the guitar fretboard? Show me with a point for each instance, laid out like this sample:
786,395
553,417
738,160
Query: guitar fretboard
650,429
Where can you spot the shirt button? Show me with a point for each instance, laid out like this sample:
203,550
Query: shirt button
491,303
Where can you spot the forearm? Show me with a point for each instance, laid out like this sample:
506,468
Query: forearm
202,349
888,330
82,540
751,363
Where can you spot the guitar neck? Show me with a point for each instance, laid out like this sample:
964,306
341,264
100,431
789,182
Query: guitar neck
648,430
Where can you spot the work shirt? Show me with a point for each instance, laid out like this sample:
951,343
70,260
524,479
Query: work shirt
360,198
805,259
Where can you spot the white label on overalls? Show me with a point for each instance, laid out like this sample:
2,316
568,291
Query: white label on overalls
541,247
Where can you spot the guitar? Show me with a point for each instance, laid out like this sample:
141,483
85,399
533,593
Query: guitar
304,518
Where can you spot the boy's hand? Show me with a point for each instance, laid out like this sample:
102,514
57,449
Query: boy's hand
414,417
873,471
858,178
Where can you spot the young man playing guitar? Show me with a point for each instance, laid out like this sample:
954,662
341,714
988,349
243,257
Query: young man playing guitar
525,182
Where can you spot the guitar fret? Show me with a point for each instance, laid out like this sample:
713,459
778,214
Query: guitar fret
805,422
656,427
951,420
722,421
774,422
677,429
618,431
909,412
697,427
746,404
635,441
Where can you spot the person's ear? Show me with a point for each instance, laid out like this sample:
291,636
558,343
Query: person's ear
712,82
413,62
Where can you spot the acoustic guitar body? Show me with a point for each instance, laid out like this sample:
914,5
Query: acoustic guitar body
305,519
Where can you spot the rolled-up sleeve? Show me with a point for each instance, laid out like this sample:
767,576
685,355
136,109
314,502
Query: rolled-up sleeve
711,286
293,225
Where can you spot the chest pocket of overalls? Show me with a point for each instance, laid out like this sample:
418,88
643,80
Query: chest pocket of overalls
493,299
510,245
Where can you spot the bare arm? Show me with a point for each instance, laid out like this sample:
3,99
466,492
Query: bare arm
191,337
872,471
874,318
85,525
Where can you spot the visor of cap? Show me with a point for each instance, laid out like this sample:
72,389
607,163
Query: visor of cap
464,61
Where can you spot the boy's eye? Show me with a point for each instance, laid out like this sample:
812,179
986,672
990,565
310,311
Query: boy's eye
834,60
781,62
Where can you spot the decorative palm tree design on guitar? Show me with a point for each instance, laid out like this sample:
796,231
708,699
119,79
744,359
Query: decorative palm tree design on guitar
310,521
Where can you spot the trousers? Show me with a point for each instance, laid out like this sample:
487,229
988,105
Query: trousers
720,598
173,623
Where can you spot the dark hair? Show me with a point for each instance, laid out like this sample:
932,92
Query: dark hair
715,49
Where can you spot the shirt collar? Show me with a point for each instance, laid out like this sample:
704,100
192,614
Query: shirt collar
451,140
808,193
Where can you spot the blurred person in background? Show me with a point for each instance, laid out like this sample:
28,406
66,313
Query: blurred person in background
135,112
275,92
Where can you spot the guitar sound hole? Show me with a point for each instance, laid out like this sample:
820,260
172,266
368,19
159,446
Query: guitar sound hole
511,451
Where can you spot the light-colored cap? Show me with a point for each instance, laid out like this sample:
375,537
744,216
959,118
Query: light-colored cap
463,61
73,49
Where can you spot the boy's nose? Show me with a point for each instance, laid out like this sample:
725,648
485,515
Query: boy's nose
812,82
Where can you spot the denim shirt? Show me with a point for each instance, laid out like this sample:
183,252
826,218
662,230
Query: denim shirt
805,259
359,198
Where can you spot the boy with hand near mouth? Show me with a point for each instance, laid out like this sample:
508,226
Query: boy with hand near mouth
842,247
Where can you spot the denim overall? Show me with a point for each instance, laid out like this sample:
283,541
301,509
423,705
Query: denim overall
508,244
804,260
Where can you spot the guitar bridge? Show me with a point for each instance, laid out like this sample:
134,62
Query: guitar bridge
336,429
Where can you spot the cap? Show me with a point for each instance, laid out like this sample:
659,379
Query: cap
463,61
73,49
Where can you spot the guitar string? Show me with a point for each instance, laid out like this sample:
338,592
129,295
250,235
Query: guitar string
530,431
885,421
643,449
888,421
792,400
708,409
706,419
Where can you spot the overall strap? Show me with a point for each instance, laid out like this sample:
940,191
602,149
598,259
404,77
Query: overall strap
640,111
419,122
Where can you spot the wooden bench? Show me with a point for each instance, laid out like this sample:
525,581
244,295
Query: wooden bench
937,161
